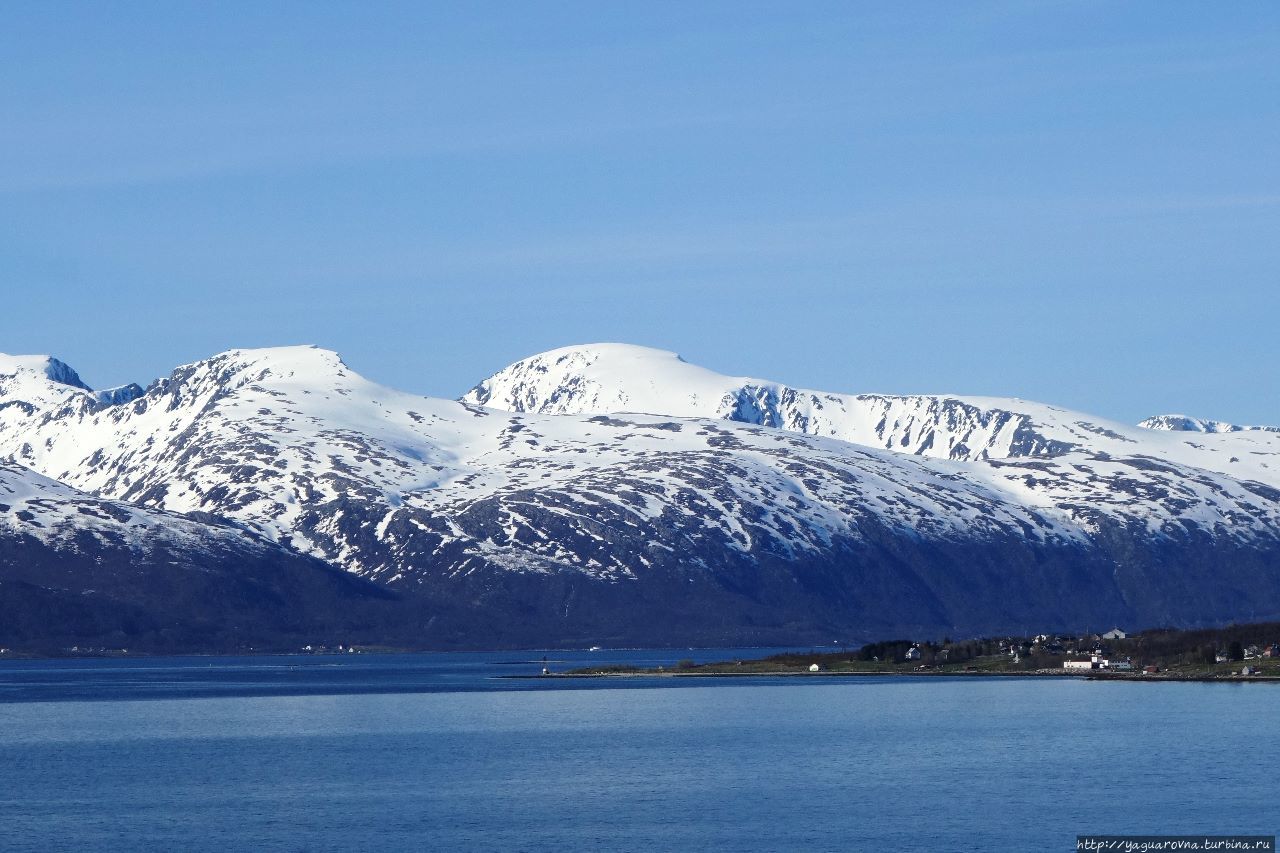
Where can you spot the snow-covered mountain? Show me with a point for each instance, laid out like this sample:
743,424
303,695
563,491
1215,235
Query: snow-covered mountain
40,383
30,383
1182,423
578,518
611,378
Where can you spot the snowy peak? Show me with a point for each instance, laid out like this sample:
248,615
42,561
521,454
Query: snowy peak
73,423
308,365
39,367
618,378
41,383
119,396
35,384
200,382
603,379
1182,423
58,371
305,361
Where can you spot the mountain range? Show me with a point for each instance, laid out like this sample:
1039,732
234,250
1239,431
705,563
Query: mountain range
604,494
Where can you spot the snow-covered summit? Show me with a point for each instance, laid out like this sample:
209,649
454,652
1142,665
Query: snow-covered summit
28,367
120,395
612,378
606,378
1182,423
30,383
60,371
304,363
45,382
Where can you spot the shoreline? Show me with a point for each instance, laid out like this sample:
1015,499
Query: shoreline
11,653
1141,677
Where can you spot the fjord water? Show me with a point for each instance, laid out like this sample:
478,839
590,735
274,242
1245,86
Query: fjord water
433,752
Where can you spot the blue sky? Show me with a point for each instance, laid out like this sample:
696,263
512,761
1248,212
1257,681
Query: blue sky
1072,202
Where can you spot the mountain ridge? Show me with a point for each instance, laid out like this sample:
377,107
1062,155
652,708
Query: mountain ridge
1183,423
671,528
605,378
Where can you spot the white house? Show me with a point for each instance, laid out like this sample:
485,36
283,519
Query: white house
1079,664
913,653
1114,634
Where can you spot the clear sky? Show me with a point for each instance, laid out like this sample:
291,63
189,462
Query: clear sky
1072,202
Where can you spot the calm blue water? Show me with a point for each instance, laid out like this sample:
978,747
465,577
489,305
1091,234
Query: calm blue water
431,752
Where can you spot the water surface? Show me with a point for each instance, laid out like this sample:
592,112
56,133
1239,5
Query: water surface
430,752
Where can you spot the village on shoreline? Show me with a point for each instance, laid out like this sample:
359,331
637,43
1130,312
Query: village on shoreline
1236,652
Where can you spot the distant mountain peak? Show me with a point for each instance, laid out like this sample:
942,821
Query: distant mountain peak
302,359
120,395
621,378
60,371
603,378
610,349
41,381
47,366
303,365
1183,423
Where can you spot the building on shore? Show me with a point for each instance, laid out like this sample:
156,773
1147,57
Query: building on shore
1099,662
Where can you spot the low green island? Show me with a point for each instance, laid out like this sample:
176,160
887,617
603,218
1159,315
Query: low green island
1234,653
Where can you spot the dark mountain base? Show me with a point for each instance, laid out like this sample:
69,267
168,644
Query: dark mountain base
164,601
273,600
894,587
